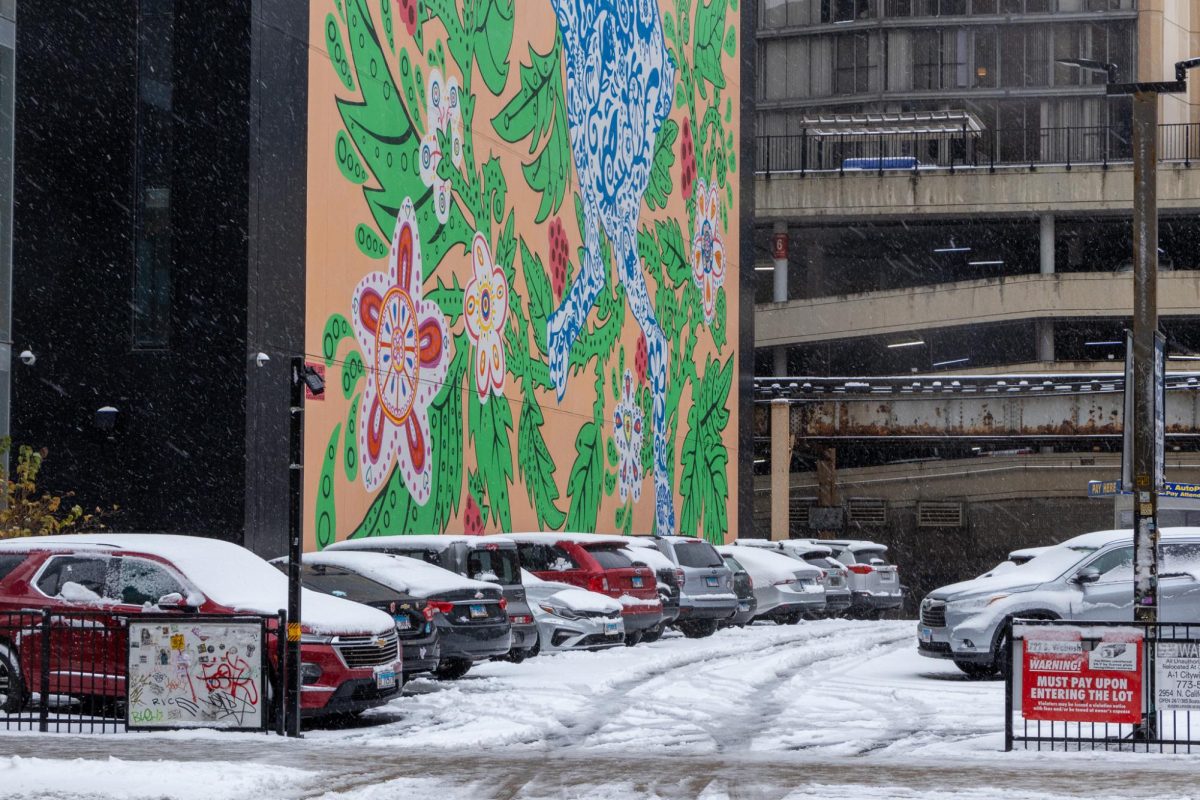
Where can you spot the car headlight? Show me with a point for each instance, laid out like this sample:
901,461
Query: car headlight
558,611
311,638
972,604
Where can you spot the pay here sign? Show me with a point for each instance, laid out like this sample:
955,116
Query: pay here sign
1063,682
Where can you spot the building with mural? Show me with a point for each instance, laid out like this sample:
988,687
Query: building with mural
509,234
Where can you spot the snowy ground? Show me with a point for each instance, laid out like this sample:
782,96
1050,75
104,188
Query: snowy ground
827,710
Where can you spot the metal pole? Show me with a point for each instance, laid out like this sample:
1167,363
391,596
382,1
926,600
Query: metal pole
295,544
1145,326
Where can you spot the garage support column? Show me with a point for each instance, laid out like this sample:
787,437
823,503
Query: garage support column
781,467
779,253
1045,327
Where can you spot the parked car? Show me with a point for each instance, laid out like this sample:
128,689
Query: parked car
597,563
874,583
413,615
670,581
743,587
1087,578
707,596
351,658
492,559
834,575
470,616
570,618
785,588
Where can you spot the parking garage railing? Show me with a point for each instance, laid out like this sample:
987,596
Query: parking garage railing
1119,686
105,672
859,152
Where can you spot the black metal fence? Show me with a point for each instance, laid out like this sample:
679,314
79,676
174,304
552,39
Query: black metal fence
856,153
1165,726
67,672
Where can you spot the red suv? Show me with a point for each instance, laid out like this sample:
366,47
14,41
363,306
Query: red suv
350,654
600,564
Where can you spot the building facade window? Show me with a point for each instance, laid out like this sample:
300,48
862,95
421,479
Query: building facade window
153,265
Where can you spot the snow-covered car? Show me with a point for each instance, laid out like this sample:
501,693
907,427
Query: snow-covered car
413,615
1087,578
351,658
598,563
785,589
670,580
492,559
570,618
834,575
707,596
743,587
874,583
470,616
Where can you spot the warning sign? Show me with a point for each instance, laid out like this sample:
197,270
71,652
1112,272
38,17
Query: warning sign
1061,681
1177,676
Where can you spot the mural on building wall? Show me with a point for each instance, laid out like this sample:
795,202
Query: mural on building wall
519,220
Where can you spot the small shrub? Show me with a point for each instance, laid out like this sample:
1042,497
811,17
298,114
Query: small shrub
26,512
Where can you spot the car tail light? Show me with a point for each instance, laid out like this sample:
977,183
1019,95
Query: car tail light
503,603
680,578
520,619
427,611
788,582
824,574
440,605
749,581
598,583
861,569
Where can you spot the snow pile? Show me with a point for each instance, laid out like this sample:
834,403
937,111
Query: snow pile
133,780
583,600
629,601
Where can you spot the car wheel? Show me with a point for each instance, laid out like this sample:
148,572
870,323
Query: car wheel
795,617
698,628
633,638
12,689
452,669
652,635
976,672
537,645
516,655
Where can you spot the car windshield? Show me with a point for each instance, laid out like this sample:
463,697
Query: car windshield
732,563
867,556
428,555
697,554
610,557
494,565
343,583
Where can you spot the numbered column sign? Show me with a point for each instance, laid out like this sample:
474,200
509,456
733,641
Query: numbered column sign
196,674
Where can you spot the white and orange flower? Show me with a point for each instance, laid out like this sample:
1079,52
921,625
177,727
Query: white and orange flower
708,248
485,309
407,354
444,115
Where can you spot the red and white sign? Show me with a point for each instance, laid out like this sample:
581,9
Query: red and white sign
1062,682
320,370
779,247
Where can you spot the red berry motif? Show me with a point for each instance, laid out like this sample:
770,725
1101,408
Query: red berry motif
687,157
641,359
472,519
408,14
560,252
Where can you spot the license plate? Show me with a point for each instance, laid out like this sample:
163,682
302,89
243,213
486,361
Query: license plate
712,581
613,627
637,582
887,577
744,605
926,634
403,623
478,610
385,678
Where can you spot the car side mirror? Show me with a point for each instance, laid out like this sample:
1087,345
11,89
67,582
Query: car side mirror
1089,575
178,602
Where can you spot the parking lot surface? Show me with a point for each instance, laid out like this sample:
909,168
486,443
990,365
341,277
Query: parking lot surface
830,709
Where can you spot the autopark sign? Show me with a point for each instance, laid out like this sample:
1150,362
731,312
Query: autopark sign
1063,681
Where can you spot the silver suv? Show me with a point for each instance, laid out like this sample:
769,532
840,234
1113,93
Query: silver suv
707,596
874,583
1088,578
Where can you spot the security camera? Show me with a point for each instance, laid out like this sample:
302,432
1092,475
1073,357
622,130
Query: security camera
106,418
261,359
27,358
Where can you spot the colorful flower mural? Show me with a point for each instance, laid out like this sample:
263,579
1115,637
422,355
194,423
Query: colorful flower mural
558,179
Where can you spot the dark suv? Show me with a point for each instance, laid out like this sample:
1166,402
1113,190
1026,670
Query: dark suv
492,559
708,594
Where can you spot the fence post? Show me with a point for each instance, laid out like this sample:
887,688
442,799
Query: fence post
1068,149
841,154
766,141
1008,686
1187,145
281,673
803,151
44,688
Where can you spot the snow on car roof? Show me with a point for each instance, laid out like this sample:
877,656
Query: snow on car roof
810,548
228,574
578,538
578,599
766,565
648,554
428,541
399,572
